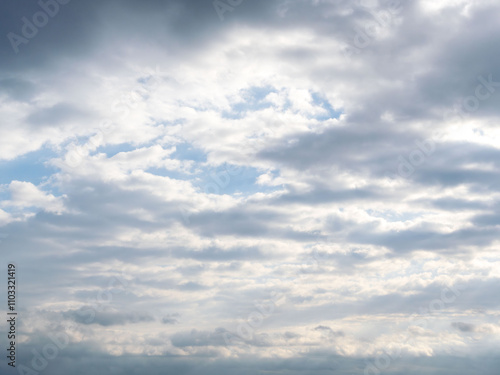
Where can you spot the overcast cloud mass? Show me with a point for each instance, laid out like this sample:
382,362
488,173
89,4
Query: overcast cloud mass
282,187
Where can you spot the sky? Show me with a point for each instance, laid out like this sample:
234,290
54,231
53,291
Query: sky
285,187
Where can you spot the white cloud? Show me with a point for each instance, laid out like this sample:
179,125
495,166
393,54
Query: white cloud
26,195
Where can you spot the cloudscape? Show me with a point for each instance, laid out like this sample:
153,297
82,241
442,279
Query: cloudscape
287,187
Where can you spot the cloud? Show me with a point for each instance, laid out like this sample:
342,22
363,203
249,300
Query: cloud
26,195
463,327
170,319
86,315
191,170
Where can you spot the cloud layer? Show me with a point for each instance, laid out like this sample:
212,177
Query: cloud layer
288,187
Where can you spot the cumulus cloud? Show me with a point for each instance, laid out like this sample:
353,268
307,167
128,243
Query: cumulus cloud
26,195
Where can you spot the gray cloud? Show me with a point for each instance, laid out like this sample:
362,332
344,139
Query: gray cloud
464,327
88,315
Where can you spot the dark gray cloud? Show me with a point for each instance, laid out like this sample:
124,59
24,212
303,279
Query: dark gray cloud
463,327
18,89
88,315
55,115
170,319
